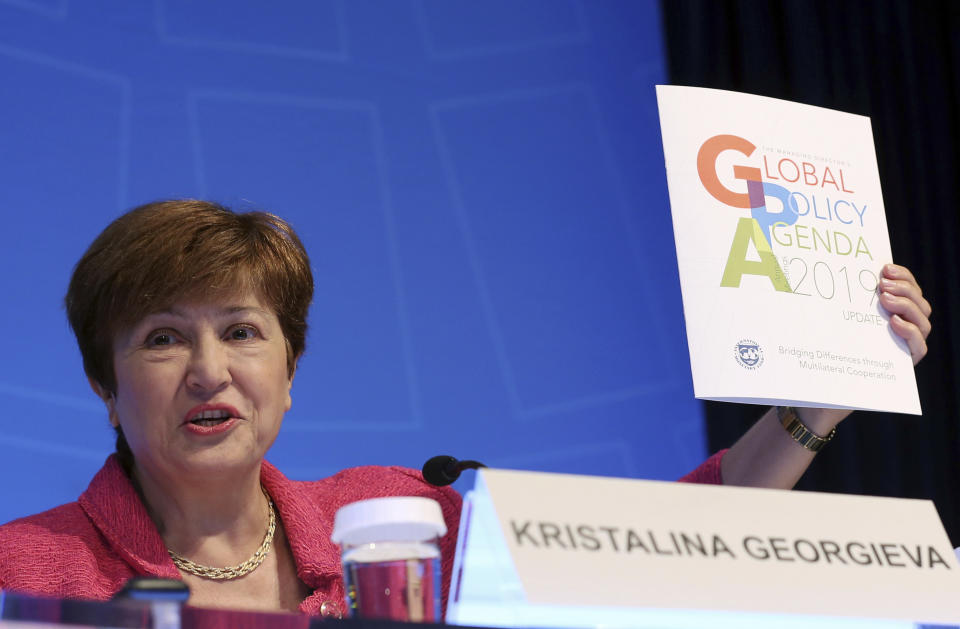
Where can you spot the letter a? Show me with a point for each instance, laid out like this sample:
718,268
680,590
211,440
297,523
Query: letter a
934,557
748,230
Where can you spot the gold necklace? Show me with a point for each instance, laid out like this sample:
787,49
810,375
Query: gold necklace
239,570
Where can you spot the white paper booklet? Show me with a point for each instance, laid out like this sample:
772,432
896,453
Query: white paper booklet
781,234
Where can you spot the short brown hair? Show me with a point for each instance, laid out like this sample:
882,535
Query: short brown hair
160,253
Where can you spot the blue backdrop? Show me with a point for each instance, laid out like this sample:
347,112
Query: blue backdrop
480,186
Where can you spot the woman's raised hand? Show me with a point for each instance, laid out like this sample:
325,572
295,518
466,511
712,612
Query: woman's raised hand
901,296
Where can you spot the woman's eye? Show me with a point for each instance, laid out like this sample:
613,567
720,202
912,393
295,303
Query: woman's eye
161,338
242,333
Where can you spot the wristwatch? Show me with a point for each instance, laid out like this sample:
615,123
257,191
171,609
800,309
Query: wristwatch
799,431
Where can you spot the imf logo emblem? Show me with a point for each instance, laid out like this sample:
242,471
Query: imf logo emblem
749,354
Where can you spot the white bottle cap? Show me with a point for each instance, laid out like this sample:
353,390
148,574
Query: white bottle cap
393,519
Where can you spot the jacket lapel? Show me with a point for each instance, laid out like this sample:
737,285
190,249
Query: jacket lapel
112,504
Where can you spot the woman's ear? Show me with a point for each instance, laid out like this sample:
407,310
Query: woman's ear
292,373
108,398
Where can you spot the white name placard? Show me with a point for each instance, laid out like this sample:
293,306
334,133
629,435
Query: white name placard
566,545
781,235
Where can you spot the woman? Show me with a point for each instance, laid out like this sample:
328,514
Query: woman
190,319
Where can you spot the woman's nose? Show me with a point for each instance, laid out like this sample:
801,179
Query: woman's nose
208,369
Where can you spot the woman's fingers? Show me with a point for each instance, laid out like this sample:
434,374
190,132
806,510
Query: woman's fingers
897,272
916,341
901,296
908,309
898,280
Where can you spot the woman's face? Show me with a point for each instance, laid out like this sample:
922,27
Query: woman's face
201,387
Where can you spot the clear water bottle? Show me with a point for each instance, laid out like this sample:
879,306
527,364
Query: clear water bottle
391,557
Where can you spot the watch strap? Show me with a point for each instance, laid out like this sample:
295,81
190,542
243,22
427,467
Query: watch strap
799,431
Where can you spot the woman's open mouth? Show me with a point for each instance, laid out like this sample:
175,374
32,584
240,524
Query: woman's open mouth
211,418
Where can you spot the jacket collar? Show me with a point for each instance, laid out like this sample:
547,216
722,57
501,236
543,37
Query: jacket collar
307,511
114,506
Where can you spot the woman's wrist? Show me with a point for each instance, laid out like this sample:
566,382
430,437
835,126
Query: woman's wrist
821,421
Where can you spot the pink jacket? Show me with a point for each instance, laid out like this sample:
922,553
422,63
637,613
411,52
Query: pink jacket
88,549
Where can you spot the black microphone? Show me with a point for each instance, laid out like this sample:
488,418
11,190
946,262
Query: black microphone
442,469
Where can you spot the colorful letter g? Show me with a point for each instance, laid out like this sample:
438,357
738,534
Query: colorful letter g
707,168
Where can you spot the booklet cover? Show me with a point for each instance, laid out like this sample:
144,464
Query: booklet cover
781,234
